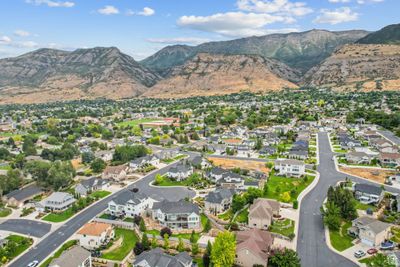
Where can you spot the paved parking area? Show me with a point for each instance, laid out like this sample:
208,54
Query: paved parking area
26,227
349,253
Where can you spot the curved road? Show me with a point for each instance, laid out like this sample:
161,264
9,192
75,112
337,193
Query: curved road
311,245
47,246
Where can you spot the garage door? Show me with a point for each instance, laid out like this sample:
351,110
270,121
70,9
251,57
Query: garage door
367,242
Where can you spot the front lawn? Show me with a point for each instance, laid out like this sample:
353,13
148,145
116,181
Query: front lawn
59,217
341,240
168,161
100,194
4,212
286,189
129,239
361,206
242,216
284,227
183,236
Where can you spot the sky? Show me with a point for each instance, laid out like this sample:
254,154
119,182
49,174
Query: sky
142,27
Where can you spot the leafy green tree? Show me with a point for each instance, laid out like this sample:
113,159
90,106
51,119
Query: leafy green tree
331,216
87,157
154,241
142,226
195,248
207,226
145,241
224,250
284,258
98,165
180,247
380,260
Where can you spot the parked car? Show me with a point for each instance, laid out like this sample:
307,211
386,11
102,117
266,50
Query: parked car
33,263
372,251
359,254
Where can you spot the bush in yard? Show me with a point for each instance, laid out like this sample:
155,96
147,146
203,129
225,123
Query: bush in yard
138,249
193,236
181,246
195,248
165,231
295,204
145,242
166,241
142,226
207,226
154,241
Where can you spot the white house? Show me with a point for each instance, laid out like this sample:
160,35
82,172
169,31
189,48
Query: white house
57,201
180,172
136,205
290,167
177,215
95,234
136,164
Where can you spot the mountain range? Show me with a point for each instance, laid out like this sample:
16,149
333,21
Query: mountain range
345,60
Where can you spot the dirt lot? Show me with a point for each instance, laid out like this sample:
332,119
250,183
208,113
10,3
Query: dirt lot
239,163
376,175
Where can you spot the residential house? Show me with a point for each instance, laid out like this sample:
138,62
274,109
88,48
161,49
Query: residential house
116,173
231,180
141,162
290,167
157,258
261,213
200,163
73,257
56,202
215,174
167,154
253,247
354,157
389,159
180,172
130,205
267,151
370,231
19,197
177,214
218,201
85,187
368,194
217,149
106,155
95,234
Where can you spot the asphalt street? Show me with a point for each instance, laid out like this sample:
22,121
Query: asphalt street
311,244
26,227
391,136
47,245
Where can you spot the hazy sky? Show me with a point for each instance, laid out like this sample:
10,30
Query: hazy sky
141,27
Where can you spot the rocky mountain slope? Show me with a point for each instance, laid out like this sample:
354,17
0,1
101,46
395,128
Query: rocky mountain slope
301,50
51,75
387,35
213,74
359,67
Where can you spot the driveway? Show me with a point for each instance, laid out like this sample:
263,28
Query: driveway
26,227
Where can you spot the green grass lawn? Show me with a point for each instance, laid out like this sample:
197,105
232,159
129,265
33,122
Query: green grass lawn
243,216
100,194
203,220
284,227
278,185
4,212
226,216
128,243
134,122
340,240
59,217
5,167
22,244
361,206
58,253
173,159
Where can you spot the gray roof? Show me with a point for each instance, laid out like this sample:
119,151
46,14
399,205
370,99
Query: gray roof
157,258
93,181
126,196
376,226
24,193
179,168
218,195
369,189
180,206
217,171
71,258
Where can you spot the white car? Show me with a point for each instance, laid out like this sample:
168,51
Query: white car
359,254
33,264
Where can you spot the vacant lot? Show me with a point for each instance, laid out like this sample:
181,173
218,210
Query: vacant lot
376,175
239,163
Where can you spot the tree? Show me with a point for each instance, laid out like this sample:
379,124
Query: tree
193,236
286,197
165,231
380,260
98,165
207,226
195,248
181,246
60,174
154,241
142,226
29,145
224,250
124,154
344,200
207,255
284,258
145,241
331,216
166,241
87,157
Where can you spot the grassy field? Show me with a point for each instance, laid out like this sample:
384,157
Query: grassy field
284,227
183,236
22,244
340,240
129,240
243,216
134,123
361,206
58,253
226,216
4,212
277,186
173,159
100,194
